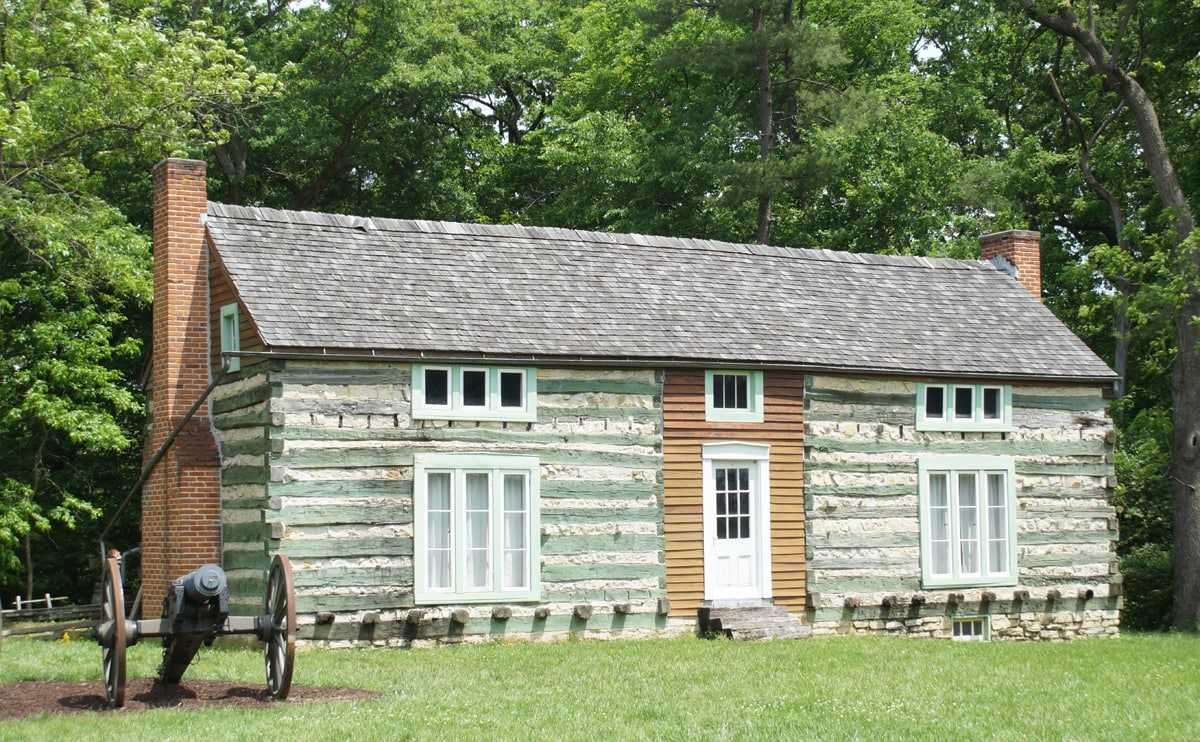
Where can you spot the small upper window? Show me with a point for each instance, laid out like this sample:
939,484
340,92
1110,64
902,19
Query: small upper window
474,388
474,393
512,390
993,403
733,396
978,407
964,403
437,387
231,336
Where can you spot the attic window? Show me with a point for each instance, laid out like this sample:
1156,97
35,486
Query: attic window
964,407
733,396
474,393
231,340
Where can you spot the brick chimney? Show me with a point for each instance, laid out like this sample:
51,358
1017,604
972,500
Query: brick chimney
181,500
1022,249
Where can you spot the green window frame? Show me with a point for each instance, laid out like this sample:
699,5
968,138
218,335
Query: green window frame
964,407
971,628
231,336
486,393
476,529
968,521
733,396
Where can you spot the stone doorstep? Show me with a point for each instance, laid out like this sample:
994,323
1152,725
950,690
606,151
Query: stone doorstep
753,623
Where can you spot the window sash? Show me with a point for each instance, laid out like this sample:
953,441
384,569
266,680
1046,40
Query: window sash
477,524
474,393
733,396
968,522
964,407
231,335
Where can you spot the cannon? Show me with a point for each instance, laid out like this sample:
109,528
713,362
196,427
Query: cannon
195,613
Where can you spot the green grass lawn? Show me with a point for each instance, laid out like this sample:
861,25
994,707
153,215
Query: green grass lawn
1133,688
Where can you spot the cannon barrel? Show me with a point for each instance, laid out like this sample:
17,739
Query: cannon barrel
204,582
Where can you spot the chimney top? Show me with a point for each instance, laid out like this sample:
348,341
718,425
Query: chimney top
1021,249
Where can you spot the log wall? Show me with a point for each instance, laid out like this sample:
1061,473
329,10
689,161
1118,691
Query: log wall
863,531
318,464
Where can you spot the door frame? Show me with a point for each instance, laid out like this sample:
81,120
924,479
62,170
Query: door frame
758,455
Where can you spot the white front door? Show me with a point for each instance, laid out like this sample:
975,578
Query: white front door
736,523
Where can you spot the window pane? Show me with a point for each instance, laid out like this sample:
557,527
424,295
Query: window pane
437,490
968,525
438,526
514,493
939,523
474,388
731,391
437,386
935,402
515,559
477,491
964,402
516,569
512,389
997,524
229,332
991,403
477,539
438,576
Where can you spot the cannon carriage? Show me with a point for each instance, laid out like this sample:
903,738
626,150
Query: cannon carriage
195,613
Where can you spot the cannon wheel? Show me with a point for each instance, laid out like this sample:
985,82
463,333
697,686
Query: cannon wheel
280,606
112,609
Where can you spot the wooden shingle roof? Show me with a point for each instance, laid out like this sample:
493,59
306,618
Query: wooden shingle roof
337,283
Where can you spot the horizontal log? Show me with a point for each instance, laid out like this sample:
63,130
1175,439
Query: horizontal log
225,403
598,386
623,489
346,546
552,573
561,516
342,602
343,488
602,543
308,514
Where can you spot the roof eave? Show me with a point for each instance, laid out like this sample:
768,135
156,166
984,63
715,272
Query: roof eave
410,356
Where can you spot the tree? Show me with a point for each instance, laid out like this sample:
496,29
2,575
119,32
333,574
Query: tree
1108,60
86,89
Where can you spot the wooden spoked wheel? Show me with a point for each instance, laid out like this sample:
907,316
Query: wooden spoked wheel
112,636
280,608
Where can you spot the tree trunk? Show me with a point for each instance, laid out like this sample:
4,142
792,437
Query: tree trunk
1185,465
231,156
1185,386
766,122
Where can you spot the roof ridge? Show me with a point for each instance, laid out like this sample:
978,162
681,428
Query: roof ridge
480,229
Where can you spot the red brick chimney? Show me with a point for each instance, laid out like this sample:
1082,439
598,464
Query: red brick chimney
181,500
1022,249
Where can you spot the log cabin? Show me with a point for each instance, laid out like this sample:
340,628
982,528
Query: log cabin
463,432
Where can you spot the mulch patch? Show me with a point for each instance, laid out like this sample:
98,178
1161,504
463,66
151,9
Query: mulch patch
18,700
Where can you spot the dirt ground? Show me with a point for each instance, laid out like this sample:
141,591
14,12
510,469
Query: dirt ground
18,700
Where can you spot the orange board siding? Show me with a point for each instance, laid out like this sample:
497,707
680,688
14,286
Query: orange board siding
685,431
